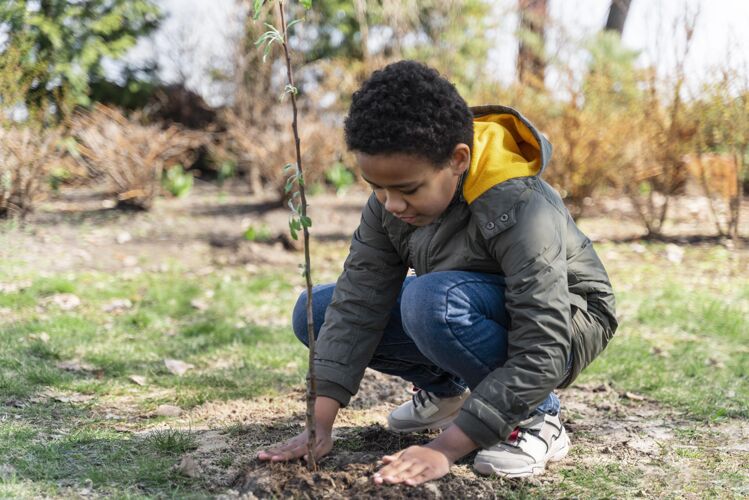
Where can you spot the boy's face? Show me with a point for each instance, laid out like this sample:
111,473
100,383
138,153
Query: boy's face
411,187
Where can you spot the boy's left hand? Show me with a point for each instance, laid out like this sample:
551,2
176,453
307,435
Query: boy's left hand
419,464
412,466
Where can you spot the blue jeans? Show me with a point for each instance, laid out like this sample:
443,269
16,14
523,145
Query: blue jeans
448,331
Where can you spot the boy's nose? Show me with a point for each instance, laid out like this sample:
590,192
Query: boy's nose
394,203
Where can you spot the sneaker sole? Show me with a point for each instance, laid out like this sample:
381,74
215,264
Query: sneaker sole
488,469
438,425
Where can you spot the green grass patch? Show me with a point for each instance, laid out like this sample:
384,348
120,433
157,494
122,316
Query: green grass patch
233,355
686,348
103,461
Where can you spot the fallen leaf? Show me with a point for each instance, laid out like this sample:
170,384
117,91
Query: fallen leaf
674,253
188,467
42,337
138,379
198,304
716,363
660,352
168,411
118,305
633,396
178,367
76,365
65,301
72,398
123,237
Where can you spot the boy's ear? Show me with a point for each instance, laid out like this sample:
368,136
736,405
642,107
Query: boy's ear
461,159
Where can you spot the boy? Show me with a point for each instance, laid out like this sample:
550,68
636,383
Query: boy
509,301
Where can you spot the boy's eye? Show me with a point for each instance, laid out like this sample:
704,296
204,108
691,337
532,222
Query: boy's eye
411,191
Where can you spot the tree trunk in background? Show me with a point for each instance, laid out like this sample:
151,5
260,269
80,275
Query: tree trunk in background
361,18
531,62
617,16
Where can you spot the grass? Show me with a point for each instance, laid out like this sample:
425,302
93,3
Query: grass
234,343
682,341
162,324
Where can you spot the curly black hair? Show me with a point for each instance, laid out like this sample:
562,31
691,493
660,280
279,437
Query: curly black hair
407,107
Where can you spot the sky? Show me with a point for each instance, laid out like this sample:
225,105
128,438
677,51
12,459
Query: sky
196,37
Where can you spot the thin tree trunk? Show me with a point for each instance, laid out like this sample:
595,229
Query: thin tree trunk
617,16
735,203
361,18
311,382
531,63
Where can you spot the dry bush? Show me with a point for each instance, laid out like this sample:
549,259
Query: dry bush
615,129
262,149
596,139
131,156
257,135
25,159
717,176
720,163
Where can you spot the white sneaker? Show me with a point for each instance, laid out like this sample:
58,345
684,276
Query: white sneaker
538,440
426,411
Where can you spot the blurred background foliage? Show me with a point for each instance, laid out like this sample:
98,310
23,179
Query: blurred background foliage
619,128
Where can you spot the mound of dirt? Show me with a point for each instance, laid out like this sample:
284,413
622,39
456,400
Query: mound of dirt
348,474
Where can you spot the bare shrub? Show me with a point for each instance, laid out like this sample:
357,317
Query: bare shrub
131,156
26,155
722,147
263,148
589,121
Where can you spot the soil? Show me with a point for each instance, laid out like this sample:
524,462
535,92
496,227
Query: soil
604,425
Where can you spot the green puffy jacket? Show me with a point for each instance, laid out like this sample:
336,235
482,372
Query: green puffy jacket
504,220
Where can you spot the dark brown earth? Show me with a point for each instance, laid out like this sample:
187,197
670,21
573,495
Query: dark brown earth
608,429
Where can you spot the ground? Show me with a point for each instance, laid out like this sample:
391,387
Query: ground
150,355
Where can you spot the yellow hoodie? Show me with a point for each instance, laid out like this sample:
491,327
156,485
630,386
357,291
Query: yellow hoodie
503,148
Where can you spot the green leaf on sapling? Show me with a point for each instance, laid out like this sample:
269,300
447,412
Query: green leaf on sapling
293,23
258,4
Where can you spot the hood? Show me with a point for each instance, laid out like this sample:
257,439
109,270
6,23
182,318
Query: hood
505,146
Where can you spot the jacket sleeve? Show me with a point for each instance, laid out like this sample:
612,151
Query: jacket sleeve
364,295
532,254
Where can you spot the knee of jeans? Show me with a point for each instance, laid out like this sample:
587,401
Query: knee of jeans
299,319
422,312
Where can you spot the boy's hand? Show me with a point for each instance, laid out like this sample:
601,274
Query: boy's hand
296,447
419,464
412,466
326,410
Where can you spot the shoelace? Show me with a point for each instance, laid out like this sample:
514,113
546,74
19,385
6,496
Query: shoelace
517,436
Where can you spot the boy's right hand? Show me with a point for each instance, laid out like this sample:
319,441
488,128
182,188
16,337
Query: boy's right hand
326,410
296,447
